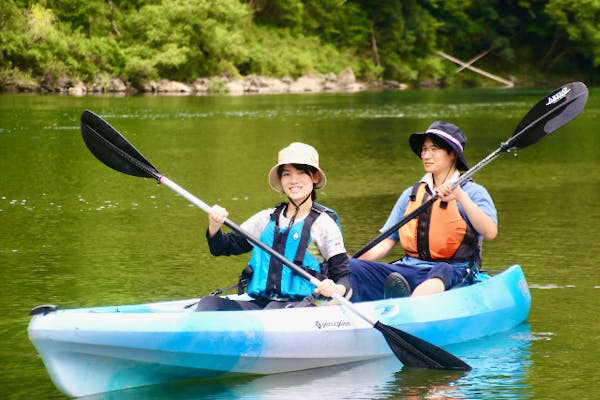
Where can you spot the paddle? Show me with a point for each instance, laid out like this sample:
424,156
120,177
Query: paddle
552,112
110,147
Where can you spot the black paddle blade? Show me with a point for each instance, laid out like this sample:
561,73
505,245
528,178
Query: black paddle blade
552,112
415,352
110,147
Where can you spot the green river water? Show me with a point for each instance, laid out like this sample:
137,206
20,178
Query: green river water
75,233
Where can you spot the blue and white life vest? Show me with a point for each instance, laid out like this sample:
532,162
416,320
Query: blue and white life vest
270,278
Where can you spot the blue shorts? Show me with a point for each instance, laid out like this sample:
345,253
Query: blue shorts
368,277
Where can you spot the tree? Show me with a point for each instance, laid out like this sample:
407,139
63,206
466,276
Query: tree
577,33
184,39
279,13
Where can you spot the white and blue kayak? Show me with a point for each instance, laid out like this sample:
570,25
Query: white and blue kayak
101,349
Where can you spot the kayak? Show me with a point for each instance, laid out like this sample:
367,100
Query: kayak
100,349
372,379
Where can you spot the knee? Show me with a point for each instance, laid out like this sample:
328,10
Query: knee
443,271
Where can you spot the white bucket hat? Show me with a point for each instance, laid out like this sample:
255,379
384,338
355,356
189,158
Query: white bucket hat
297,153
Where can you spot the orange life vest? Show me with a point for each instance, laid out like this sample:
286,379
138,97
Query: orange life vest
439,233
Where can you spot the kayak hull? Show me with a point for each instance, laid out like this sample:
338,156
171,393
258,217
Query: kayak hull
101,349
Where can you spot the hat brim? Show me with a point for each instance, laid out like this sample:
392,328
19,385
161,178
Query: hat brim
416,143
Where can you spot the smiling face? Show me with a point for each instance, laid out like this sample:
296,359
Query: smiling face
297,183
436,159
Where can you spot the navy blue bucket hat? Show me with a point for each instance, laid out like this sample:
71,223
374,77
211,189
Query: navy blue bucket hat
449,133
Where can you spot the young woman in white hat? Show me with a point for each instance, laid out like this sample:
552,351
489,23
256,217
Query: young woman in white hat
300,229
442,244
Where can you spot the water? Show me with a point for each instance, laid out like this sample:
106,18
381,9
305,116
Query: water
75,233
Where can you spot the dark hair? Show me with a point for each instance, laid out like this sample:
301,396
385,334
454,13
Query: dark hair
309,169
441,143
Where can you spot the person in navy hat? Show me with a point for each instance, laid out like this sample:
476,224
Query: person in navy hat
442,244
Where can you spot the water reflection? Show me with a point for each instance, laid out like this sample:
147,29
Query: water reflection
500,364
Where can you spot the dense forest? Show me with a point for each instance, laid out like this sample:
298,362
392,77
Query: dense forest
45,42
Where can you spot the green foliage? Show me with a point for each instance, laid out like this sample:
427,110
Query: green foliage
404,32
51,41
580,20
11,78
12,41
138,70
92,17
295,56
279,13
184,39
266,42
217,86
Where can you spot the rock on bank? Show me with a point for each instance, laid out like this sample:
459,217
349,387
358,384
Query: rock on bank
311,82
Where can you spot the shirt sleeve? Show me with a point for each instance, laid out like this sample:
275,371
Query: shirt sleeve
339,270
482,199
227,244
328,237
255,225
330,247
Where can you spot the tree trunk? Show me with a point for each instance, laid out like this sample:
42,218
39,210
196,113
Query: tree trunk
113,24
374,46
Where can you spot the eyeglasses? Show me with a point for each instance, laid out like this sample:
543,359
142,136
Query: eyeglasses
432,150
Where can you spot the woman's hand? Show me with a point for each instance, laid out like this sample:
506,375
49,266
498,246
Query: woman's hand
327,287
480,221
216,217
448,194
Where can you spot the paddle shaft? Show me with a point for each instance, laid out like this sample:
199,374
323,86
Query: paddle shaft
206,208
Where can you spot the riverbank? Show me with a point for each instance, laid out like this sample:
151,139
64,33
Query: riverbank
311,82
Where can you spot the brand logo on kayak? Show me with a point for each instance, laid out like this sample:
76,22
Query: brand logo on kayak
555,98
331,324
